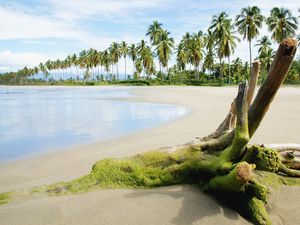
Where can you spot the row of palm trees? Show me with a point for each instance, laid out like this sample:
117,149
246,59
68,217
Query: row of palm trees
193,50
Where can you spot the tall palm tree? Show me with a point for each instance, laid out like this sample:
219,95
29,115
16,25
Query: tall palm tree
115,55
209,60
147,61
74,60
132,51
281,23
106,60
264,44
227,43
209,42
218,29
181,56
154,32
186,40
248,24
195,52
124,53
164,48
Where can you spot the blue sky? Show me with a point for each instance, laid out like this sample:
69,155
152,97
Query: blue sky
31,31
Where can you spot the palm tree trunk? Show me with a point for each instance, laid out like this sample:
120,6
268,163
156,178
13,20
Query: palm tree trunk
250,63
229,70
117,71
125,68
221,75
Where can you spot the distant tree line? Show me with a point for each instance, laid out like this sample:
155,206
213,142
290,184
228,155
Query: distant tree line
199,56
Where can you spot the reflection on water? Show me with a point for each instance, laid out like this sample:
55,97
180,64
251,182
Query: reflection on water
37,119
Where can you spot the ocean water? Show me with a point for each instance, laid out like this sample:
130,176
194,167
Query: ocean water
35,120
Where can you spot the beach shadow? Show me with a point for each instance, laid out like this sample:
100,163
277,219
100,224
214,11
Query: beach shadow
195,204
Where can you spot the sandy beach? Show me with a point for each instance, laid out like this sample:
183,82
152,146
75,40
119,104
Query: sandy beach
179,205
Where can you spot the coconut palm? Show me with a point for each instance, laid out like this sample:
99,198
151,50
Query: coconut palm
147,61
209,60
228,43
154,32
115,55
237,65
281,23
181,56
164,48
195,51
106,60
124,53
266,57
248,24
218,30
209,42
264,44
186,39
132,52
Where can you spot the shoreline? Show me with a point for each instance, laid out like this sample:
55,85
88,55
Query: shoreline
208,107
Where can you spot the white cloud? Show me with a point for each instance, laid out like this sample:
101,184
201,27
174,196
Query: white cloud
11,61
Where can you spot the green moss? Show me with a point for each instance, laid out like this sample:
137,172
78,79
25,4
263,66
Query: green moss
151,169
274,180
5,197
264,158
257,212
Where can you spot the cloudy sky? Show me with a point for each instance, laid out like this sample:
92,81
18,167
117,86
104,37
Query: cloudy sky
32,31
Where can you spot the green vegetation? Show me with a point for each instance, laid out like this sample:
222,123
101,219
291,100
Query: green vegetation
195,56
5,197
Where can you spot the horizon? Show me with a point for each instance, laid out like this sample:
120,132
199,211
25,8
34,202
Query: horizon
37,30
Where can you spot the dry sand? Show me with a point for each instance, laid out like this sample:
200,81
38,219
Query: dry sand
168,205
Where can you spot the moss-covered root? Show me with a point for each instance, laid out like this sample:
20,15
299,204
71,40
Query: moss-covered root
257,212
267,159
5,197
234,181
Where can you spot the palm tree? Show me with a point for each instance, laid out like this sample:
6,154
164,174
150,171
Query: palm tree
218,29
74,61
124,52
248,24
186,39
43,69
181,56
154,32
281,23
237,66
132,51
209,61
227,43
209,42
147,61
115,55
266,58
195,51
106,60
264,44
164,48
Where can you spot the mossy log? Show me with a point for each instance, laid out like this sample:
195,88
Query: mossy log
223,162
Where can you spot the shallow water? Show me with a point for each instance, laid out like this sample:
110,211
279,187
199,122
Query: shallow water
38,119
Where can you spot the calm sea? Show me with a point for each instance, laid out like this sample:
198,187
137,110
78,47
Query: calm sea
39,119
